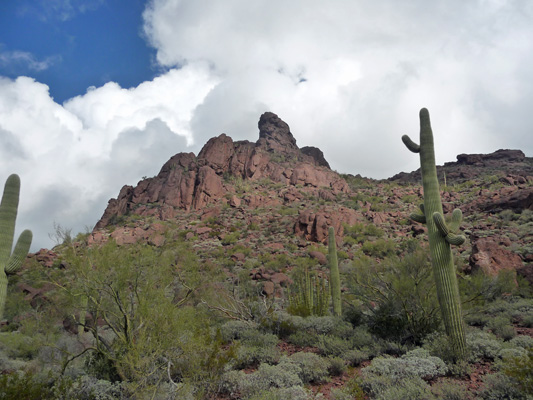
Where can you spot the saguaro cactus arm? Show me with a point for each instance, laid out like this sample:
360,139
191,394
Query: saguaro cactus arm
446,232
419,217
415,148
10,262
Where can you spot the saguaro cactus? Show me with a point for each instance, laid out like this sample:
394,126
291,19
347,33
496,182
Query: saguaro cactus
441,236
10,262
334,277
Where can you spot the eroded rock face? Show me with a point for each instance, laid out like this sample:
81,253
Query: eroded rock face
188,182
490,256
314,225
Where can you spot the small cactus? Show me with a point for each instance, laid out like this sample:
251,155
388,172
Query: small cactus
10,261
441,236
334,277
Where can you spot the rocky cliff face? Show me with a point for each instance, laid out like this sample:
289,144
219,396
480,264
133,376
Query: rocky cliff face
190,182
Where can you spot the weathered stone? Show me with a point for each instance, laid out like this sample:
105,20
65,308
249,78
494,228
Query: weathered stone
491,258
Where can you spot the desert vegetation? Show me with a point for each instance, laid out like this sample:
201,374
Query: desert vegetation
243,300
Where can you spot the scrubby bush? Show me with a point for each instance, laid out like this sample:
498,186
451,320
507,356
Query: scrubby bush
398,295
416,362
482,345
500,387
313,367
449,390
256,347
268,377
501,327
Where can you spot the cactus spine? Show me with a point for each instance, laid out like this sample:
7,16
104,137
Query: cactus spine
441,236
334,277
10,262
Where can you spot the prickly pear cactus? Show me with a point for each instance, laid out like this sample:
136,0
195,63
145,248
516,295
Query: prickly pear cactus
441,236
10,262
334,277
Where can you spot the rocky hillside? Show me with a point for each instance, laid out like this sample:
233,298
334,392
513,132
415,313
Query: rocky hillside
270,196
202,288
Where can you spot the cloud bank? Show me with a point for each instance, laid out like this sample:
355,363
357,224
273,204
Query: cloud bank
347,76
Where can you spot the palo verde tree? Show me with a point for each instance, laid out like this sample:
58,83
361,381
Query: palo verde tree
10,261
441,236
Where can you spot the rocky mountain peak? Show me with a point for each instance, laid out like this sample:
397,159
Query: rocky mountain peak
190,182
275,135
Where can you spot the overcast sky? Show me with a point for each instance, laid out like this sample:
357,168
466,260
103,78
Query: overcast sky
96,94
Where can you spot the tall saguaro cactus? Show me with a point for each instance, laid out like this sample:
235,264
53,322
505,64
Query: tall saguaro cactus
334,277
10,261
441,236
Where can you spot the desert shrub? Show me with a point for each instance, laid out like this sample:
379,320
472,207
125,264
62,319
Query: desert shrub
522,341
482,345
329,345
500,387
501,326
235,329
449,390
398,295
286,374
380,248
303,339
383,387
352,390
90,388
520,368
313,367
293,393
527,321
17,345
337,366
256,347
417,363
356,357
361,338
24,385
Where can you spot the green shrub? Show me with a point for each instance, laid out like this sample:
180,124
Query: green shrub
332,345
256,347
482,345
286,374
384,387
500,387
18,345
24,386
522,341
352,390
417,363
313,367
501,326
449,390
337,366
520,368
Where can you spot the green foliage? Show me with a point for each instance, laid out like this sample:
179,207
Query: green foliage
284,375
352,390
309,295
24,386
520,369
255,347
10,261
398,294
500,387
313,367
482,345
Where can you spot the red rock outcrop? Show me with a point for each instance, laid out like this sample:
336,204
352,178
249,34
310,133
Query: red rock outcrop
489,255
314,225
188,182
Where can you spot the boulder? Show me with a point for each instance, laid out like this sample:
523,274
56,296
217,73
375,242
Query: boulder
489,256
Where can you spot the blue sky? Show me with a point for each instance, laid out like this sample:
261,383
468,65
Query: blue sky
81,47
96,94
